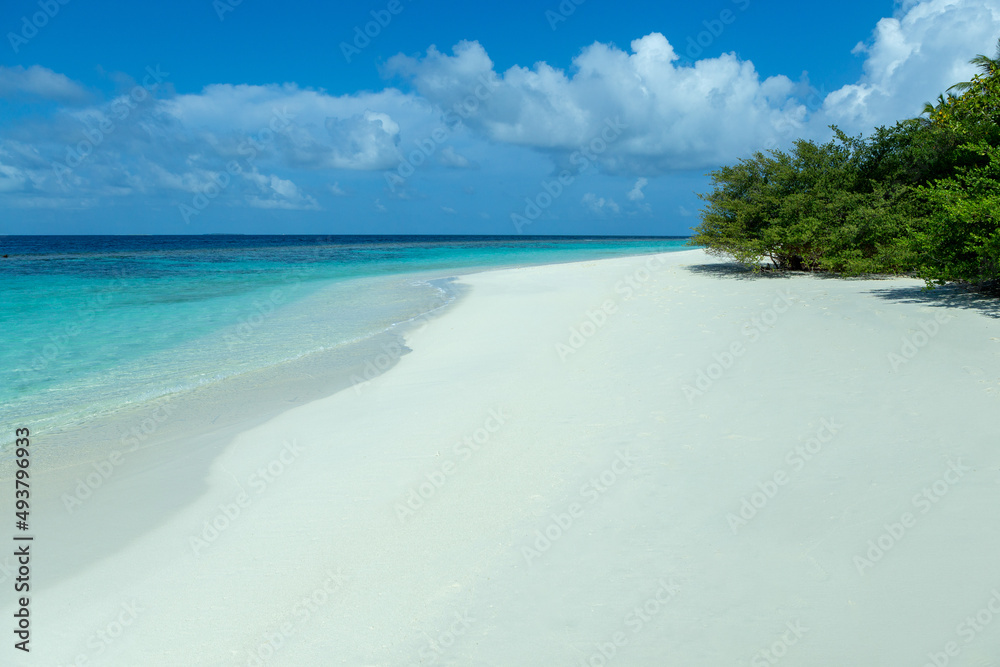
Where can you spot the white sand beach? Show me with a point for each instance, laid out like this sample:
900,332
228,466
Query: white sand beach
653,460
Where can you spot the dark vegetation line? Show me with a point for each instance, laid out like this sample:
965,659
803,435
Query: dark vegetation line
921,198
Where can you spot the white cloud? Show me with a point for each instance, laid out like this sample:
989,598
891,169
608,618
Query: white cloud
450,158
911,58
636,194
299,128
672,117
363,141
184,142
711,113
277,192
12,179
36,81
600,205
264,202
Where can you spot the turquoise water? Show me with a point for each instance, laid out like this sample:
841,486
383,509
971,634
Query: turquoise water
94,324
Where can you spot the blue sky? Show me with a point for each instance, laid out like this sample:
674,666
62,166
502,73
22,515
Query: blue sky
537,118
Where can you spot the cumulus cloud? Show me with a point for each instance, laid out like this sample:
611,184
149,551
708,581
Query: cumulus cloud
600,205
680,117
656,114
182,143
450,158
911,58
673,117
277,192
636,194
12,179
299,128
363,141
39,82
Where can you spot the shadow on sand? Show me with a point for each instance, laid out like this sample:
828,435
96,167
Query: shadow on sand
733,270
947,296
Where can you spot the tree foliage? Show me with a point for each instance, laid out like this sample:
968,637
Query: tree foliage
920,197
960,239
845,205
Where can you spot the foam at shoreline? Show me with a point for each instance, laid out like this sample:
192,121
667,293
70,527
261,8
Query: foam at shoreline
116,322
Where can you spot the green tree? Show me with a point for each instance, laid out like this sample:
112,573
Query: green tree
922,196
847,205
961,241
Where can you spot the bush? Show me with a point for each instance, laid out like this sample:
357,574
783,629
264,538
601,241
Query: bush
960,241
845,206
922,196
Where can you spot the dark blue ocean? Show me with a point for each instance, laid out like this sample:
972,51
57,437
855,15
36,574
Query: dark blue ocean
92,324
